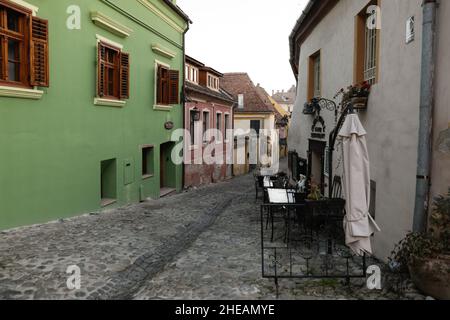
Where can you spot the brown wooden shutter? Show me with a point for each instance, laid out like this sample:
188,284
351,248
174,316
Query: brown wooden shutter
174,79
101,70
124,75
39,64
2,62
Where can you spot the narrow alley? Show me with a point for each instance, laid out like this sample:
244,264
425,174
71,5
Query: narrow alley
201,244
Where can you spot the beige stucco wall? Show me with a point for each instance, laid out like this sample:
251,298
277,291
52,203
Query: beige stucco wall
393,113
287,107
243,121
441,162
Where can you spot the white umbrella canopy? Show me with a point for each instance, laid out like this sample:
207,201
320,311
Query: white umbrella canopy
359,226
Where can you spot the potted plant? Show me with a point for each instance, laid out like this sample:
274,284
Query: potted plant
314,193
426,256
357,94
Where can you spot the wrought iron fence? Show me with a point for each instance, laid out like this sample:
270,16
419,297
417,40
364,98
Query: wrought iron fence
307,241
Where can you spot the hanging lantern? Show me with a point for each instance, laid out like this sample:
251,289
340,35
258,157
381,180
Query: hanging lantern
195,114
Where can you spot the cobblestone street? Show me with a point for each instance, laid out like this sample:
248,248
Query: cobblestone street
201,244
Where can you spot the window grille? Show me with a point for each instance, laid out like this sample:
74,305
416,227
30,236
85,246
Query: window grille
370,59
317,90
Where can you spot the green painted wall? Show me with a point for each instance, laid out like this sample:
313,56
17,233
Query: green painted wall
51,149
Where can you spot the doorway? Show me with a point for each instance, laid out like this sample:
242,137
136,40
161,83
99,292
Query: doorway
108,182
316,163
167,169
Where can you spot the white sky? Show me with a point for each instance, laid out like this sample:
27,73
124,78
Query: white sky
244,36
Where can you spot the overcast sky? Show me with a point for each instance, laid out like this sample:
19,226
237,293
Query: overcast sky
244,36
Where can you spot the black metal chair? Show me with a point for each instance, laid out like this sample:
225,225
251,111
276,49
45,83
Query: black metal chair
337,188
259,185
283,210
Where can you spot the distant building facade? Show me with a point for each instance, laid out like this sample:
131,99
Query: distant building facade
254,111
208,107
286,99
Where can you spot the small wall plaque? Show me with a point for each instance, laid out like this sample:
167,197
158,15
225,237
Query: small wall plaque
169,125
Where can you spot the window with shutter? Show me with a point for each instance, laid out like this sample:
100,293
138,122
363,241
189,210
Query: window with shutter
163,86
113,73
174,79
167,86
39,53
15,47
124,75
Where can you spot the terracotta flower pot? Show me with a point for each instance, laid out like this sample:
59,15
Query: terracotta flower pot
432,276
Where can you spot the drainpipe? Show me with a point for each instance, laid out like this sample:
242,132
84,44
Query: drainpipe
426,114
184,98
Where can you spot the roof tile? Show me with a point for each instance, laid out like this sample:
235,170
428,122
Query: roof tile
240,83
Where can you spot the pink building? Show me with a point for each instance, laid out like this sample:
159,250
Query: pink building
207,107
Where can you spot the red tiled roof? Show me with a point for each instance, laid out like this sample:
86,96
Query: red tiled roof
192,88
265,97
240,83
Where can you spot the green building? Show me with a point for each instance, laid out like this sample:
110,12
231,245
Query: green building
90,92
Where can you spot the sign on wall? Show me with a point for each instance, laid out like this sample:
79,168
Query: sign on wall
410,32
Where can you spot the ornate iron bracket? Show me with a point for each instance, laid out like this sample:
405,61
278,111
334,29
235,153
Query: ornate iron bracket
314,108
318,104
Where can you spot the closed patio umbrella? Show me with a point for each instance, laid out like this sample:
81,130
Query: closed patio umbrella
358,223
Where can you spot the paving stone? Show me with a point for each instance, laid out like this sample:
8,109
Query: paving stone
201,244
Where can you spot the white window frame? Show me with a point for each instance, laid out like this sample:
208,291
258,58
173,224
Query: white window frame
34,9
191,74
17,92
370,55
212,82
99,101
196,71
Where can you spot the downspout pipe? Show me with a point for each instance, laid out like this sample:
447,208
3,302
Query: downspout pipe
184,99
423,180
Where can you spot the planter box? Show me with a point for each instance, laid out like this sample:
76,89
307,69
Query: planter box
360,103
432,277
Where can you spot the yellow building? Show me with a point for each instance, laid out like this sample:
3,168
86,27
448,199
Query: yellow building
254,111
